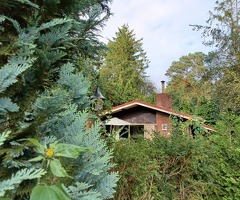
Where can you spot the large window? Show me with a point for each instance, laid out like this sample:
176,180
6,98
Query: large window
131,131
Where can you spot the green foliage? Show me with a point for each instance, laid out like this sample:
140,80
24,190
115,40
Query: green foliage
79,192
4,136
190,87
205,166
181,126
190,67
66,123
178,167
135,167
49,98
227,155
16,64
21,175
52,153
122,75
54,192
222,32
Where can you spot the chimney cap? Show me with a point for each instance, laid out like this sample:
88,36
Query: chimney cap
97,94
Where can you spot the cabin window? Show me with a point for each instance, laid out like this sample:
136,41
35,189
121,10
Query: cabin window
124,133
132,131
136,131
164,127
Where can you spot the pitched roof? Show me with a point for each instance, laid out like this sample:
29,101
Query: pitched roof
135,103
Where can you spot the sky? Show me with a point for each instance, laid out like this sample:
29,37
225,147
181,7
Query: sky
164,27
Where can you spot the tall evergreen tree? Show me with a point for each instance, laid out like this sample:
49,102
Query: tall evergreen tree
123,74
44,101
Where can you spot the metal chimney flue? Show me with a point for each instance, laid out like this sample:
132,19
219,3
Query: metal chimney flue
164,99
163,86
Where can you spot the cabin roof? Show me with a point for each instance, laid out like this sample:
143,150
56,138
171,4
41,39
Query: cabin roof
135,103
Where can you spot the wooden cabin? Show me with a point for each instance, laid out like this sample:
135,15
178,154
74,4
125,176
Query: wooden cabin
139,119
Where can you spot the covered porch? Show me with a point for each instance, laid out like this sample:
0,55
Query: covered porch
124,129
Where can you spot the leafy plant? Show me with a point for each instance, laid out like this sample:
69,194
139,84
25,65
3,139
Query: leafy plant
178,167
53,192
53,151
226,141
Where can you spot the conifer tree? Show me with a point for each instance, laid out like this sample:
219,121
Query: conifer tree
123,74
44,101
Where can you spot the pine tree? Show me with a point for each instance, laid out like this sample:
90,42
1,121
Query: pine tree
123,74
44,97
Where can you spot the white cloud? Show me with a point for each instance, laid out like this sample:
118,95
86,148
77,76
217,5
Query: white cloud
164,27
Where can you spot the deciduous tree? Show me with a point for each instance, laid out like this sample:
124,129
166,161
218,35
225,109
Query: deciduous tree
190,86
222,32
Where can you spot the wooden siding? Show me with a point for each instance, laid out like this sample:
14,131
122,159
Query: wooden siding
137,115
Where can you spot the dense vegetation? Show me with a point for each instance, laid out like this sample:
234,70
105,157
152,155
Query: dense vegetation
47,151
206,85
180,167
51,60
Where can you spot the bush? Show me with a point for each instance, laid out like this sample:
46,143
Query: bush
178,167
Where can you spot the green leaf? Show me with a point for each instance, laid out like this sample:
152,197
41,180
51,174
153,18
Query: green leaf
57,169
3,198
36,143
29,3
44,192
36,159
69,150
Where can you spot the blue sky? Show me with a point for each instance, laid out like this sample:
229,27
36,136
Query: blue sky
164,27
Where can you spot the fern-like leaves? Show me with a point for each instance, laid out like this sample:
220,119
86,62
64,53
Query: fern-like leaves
76,84
4,136
20,176
15,66
82,191
6,105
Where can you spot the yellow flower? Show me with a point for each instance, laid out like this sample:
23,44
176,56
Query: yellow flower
49,153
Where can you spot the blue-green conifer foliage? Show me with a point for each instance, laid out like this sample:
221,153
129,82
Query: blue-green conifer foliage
44,96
